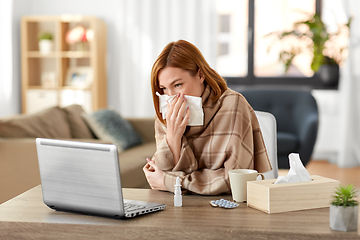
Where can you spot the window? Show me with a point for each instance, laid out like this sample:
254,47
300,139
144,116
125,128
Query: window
224,35
232,59
247,56
275,16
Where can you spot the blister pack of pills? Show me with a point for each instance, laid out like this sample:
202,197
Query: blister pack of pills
223,203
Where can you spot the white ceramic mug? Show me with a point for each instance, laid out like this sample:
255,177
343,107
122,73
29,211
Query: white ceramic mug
238,182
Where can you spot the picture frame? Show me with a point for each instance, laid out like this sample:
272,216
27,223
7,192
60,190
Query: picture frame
80,77
48,79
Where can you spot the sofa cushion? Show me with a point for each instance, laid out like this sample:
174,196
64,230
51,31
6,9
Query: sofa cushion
108,125
286,142
49,123
78,127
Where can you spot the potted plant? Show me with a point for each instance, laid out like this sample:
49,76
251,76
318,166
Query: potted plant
344,209
326,51
45,42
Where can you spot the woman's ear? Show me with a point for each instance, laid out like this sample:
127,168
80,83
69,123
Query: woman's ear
201,75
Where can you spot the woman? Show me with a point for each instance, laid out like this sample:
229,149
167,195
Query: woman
201,156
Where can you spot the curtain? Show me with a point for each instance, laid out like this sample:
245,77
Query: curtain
349,149
8,101
145,28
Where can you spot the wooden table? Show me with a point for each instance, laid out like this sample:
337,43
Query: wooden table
27,217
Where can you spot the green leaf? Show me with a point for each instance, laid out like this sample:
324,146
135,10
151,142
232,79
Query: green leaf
317,40
45,35
345,196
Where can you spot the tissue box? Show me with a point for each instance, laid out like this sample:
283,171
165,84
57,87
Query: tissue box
284,197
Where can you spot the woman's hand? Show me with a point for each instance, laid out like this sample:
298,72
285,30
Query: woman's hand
176,124
154,175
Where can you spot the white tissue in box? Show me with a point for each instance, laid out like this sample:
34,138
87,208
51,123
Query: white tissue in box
195,106
297,172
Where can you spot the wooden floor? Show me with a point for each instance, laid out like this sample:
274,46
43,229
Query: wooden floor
325,169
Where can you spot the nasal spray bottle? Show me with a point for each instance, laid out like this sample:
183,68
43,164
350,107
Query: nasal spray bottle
177,193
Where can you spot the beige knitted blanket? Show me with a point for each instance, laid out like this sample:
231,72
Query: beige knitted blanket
229,139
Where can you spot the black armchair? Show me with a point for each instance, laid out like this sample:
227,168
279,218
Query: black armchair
297,120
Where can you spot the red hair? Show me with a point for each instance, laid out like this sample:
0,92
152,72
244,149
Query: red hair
182,54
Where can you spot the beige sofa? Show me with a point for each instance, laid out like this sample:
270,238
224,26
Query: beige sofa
18,157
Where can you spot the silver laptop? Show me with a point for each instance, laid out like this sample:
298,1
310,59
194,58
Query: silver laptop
85,178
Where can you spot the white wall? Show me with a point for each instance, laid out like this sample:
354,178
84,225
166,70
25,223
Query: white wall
10,74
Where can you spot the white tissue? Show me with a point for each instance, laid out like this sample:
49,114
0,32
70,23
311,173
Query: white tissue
297,172
195,106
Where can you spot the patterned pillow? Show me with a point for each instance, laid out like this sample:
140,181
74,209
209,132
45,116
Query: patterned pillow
108,125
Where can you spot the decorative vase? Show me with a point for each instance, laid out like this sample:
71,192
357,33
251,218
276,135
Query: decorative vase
344,218
329,75
80,46
45,46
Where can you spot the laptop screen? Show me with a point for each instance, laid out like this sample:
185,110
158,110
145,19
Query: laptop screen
82,177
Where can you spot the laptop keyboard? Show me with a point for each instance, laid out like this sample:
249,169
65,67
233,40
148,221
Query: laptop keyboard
132,207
